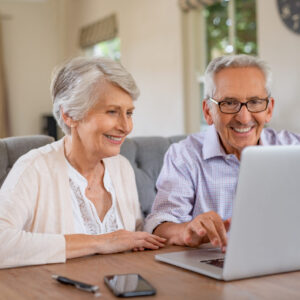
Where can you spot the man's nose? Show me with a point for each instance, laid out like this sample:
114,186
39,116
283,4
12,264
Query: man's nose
244,116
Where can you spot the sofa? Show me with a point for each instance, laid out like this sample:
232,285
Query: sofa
13,147
145,154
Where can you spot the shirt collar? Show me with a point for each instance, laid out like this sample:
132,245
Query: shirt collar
212,146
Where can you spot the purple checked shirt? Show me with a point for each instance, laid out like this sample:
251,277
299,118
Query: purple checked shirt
198,176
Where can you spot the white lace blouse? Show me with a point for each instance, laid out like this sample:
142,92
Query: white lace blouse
86,219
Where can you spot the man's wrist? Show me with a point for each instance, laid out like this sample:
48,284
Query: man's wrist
178,238
174,232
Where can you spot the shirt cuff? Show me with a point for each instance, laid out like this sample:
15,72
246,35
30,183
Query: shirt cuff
152,221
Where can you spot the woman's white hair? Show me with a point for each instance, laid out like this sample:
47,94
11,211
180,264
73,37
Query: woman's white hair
74,86
234,61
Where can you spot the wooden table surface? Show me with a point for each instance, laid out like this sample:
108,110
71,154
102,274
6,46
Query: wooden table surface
171,282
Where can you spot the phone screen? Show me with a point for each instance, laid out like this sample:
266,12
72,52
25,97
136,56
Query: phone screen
129,285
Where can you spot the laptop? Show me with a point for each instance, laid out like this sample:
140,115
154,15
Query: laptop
264,236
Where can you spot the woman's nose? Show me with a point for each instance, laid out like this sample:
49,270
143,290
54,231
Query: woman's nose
125,124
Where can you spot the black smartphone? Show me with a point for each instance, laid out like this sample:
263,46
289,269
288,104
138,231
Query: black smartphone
129,285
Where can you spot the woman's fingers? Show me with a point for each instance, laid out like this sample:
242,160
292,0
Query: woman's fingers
155,237
138,249
147,240
147,245
123,240
155,242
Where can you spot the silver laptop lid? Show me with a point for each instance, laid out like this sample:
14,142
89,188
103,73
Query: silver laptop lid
264,235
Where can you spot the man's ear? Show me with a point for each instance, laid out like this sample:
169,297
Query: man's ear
68,120
207,112
270,109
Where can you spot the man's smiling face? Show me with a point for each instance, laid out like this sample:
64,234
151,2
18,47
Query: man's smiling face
241,129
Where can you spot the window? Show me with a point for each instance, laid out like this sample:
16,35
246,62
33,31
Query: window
101,38
230,28
226,27
110,48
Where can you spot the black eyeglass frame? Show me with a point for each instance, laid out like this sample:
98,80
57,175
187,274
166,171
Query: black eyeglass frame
219,103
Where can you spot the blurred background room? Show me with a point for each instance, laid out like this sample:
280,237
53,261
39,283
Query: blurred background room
165,44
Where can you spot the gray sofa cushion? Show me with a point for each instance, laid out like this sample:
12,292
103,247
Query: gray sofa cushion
13,147
146,155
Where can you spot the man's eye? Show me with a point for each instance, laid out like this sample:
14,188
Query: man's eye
230,103
129,113
256,101
112,112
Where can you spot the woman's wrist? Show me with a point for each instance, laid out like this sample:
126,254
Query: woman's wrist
78,245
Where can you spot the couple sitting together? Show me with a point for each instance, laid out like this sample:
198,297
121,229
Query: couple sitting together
78,196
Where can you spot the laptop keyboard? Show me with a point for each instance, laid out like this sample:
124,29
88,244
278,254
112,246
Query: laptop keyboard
219,262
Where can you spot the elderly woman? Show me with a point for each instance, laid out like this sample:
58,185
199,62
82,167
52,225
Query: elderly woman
77,196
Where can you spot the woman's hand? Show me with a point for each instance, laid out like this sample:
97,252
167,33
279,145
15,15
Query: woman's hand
78,245
123,240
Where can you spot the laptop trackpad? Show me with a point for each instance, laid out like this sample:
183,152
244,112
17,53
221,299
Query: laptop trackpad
199,260
196,256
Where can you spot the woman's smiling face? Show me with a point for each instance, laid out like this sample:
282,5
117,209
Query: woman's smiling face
104,128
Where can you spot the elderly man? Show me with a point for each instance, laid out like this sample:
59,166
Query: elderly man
197,183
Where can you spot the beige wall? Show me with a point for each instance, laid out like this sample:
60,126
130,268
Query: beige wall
41,33
37,38
150,50
31,49
280,47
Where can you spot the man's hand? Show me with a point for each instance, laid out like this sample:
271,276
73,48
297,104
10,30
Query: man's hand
207,227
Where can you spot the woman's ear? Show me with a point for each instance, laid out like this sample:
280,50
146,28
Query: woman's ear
68,120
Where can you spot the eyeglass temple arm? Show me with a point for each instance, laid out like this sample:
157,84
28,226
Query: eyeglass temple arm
213,100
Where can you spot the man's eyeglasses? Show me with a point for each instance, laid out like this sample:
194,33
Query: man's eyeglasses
232,106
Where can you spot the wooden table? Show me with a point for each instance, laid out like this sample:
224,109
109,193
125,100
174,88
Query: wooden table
171,282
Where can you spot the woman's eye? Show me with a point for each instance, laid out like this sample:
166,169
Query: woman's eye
112,112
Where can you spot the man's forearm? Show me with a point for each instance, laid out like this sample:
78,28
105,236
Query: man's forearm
173,232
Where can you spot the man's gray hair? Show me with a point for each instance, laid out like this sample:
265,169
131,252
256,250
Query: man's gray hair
234,61
74,86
